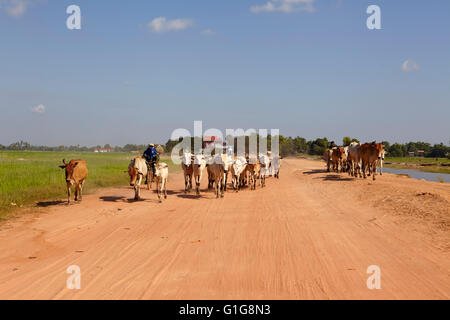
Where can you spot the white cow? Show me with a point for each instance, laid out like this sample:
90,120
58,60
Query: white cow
186,165
275,165
137,169
237,169
227,161
199,166
265,165
354,159
161,176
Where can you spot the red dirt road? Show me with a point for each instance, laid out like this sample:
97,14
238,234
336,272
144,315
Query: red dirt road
309,235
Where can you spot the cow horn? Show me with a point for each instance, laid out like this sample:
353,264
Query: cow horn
64,161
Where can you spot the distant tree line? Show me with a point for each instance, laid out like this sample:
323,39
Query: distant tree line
25,146
288,146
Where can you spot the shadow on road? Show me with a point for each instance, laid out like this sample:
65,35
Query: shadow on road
335,177
45,204
113,199
315,171
191,196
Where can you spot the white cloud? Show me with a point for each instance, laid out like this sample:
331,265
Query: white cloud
38,109
286,6
410,65
208,32
161,24
14,8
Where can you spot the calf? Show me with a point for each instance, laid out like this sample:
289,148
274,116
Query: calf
161,176
76,173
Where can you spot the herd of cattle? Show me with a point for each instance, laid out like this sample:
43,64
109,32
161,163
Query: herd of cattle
243,171
357,159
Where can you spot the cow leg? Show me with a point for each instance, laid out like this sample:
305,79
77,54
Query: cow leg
69,186
160,191
222,188
364,170
374,165
197,182
77,189
137,188
165,188
216,187
81,189
225,178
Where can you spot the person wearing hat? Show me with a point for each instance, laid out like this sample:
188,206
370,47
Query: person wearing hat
151,157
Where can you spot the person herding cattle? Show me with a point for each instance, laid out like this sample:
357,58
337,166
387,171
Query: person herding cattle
76,173
151,156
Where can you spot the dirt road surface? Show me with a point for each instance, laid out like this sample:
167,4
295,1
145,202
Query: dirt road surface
309,235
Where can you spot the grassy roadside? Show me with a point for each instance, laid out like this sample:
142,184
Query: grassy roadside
27,178
441,165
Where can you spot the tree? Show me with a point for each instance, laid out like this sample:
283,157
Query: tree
438,151
300,145
318,146
396,150
346,141
386,145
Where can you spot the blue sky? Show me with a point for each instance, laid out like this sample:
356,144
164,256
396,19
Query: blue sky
139,69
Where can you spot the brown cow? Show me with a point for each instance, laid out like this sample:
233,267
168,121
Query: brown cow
76,173
217,174
371,155
337,158
254,170
327,156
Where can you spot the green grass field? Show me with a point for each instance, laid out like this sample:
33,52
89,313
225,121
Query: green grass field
27,178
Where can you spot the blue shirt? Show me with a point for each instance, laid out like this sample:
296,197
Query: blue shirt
150,153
